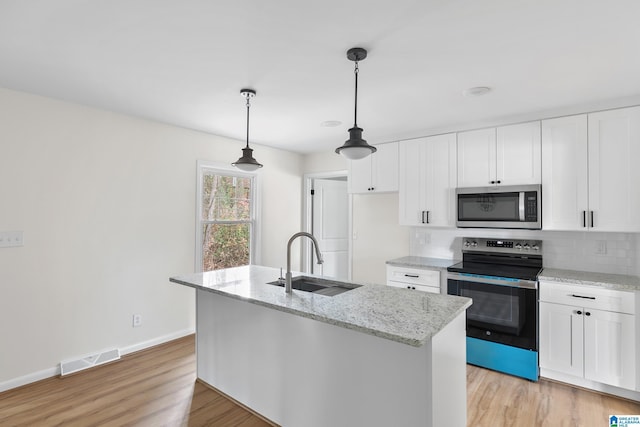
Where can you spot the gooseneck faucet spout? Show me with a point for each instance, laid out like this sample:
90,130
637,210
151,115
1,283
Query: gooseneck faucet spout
287,283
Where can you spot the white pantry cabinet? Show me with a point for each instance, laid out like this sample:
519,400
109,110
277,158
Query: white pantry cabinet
506,155
427,169
419,279
588,332
590,174
377,173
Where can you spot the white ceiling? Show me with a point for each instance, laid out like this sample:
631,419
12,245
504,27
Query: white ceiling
184,62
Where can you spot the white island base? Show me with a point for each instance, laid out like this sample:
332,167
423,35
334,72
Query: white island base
296,371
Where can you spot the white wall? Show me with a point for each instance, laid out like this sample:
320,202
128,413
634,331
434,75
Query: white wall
378,237
107,206
375,224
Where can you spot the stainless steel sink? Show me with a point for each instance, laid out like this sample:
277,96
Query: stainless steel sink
317,286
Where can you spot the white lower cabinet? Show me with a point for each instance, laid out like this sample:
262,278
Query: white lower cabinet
588,333
417,279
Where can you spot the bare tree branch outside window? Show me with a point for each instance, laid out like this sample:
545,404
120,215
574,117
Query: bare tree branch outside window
226,219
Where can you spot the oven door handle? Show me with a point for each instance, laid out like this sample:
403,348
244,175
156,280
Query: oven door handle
493,280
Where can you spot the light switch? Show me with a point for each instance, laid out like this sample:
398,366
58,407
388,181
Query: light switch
10,239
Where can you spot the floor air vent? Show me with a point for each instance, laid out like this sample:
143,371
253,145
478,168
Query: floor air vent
72,366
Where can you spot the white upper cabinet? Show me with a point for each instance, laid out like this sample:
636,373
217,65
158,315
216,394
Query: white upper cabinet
428,181
507,155
377,173
564,173
590,173
614,172
477,158
518,154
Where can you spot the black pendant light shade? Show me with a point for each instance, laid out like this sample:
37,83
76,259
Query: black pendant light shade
247,163
355,147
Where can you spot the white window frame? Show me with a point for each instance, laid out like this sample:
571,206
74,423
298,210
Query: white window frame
203,167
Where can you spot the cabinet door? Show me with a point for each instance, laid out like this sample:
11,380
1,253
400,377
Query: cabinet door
477,158
518,159
384,168
561,338
564,173
614,151
412,197
609,348
360,175
428,181
439,178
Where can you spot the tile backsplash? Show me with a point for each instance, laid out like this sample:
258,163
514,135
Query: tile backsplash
616,253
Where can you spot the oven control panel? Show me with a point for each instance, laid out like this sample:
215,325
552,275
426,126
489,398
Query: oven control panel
498,245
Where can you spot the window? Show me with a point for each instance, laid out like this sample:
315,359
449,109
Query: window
226,226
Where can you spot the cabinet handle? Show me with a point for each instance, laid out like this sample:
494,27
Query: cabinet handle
498,182
427,217
492,182
578,312
587,314
584,219
582,296
422,219
415,276
591,219
408,287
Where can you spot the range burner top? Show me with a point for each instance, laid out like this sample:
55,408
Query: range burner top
513,258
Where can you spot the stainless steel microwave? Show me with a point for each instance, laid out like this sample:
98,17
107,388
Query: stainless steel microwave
515,206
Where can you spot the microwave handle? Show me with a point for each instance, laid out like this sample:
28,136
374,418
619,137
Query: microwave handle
521,205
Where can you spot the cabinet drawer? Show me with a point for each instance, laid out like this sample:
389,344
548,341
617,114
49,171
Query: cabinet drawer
421,288
588,297
415,276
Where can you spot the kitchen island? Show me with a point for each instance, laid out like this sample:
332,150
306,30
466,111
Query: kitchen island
374,355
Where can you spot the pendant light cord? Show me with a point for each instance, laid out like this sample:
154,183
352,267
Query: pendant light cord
248,104
355,113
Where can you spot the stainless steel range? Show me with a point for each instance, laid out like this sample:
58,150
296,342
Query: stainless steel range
502,324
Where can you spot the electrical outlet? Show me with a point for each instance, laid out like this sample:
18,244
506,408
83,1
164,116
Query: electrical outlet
601,247
137,320
9,239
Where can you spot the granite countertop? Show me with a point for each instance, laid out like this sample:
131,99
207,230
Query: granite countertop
401,315
611,281
422,262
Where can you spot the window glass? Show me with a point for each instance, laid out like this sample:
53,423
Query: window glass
226,219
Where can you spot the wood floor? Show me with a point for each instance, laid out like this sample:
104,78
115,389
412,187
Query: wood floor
157,387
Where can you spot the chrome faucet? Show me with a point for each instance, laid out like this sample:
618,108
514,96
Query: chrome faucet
287,282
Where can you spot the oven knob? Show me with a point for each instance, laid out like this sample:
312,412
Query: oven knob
474,244
518,246
535,247
526,247
466,244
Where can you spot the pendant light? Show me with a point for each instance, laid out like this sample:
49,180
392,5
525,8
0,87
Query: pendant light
247,163
355,147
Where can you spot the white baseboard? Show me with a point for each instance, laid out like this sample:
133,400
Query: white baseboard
591,385
52,372
156,341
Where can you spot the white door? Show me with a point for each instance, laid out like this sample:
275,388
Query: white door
609,348
477,158
614,150
561,338
564,173
384,168
411,192
518,154
331,227
360,175
439,179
